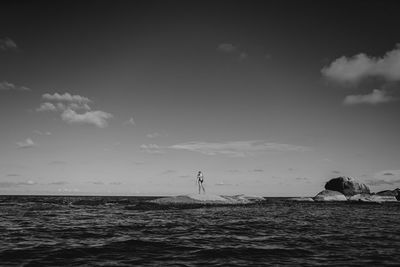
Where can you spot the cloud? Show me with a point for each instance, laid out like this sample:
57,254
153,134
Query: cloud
68,105
237,148
243,56
66,97
374,98
168,172
336,172
131,122
383,182
98,117
42,133
353,69
7,44
13,175
7,184
228,48
381,178
223,184
27,143
258,170
151,149
153,135
58,183
46,107
6,86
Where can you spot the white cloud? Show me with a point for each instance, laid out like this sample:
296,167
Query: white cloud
374,98
153,135
354,69
42,133
98,117
131,122
152,149
68,105
232,49
27,143
46,107
7,44
227,48
6,86
237,148
66,97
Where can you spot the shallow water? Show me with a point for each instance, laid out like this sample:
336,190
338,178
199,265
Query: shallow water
122,231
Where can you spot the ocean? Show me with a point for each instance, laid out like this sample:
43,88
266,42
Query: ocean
126,231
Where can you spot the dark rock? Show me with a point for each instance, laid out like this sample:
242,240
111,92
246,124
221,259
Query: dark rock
395,193
347,186
329,195
302,199
208,199
372,198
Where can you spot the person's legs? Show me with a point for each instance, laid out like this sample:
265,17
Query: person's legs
204,191
198,182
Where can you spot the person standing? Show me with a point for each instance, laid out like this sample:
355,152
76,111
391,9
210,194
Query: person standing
200,180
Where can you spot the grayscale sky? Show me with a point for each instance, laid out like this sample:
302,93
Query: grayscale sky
269,98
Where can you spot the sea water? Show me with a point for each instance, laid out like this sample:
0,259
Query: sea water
125,231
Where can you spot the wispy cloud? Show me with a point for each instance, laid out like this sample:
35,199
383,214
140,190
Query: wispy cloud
237,148
7,44
58,183
66,97
229,48
353,69
153,135
7,184
374,98
42,133
168,172
383,182
7,86
223,184
386,177
13,175
69,105
46,107
131,122
98,117
27,143
152,149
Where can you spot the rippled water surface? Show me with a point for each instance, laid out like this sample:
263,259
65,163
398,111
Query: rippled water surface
124,231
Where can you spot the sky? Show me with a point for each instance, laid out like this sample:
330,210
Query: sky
269,98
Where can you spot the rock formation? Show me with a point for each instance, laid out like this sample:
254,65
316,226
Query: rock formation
347,186
372,198
329,195
395,193
208,199
302,199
